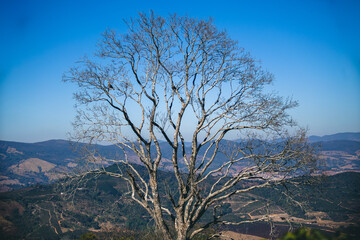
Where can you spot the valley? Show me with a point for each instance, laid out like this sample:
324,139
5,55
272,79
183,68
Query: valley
39,199
102,205
26,164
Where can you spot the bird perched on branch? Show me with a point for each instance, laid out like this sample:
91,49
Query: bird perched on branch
110,86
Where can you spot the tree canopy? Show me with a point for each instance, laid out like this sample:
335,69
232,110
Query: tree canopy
170,92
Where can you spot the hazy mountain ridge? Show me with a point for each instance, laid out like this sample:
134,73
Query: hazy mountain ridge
31,163
25,164
353,136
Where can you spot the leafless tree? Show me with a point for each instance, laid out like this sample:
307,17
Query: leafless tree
180,82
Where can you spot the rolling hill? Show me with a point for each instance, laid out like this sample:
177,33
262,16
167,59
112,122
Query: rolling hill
352,136
26,164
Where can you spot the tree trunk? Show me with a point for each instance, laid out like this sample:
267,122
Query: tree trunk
181,235
180,226
158,217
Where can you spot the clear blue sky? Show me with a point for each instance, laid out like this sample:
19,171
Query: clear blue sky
312,47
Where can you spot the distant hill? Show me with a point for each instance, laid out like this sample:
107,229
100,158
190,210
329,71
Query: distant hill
353,136
26,164
347,146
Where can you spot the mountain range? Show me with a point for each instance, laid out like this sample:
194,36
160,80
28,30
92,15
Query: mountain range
39,202
26,164
351,136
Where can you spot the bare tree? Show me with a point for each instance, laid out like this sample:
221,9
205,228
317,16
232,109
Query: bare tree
179,82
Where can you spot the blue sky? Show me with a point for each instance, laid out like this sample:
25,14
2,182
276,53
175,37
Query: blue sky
312,48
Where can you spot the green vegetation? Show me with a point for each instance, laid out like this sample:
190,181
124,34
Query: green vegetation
305,233
88,236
